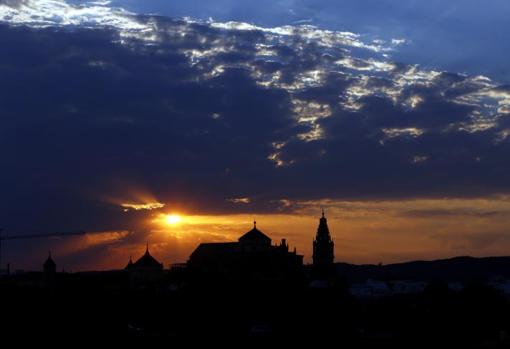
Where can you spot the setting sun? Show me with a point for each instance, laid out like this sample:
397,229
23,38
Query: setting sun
172,219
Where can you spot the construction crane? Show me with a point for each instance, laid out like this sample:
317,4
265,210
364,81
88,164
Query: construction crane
35,236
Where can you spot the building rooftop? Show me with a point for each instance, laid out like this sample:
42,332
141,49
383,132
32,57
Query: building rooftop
146,262
255,236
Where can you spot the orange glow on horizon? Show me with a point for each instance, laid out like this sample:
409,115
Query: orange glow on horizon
363,231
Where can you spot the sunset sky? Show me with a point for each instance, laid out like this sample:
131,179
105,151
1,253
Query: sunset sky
180,122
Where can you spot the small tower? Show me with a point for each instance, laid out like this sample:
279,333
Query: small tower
49,267
129,266
284,246
323,251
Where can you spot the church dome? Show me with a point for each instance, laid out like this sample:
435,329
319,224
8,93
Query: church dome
147,262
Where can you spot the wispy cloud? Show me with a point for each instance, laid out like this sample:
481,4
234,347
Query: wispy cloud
146,206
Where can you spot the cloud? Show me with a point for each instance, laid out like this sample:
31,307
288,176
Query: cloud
240,200
49,13
466,212
148,206
204,113
14,3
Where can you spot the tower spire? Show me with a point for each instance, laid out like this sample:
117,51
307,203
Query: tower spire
323,250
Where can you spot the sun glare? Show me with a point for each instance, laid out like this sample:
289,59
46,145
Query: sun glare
172,219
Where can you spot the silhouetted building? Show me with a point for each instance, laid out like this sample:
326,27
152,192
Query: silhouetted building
253,257
129,266
49,266
323,251
145,263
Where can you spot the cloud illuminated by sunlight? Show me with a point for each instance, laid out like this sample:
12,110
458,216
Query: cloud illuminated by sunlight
147,206
240,200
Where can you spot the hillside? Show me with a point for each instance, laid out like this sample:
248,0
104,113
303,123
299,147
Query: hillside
462,269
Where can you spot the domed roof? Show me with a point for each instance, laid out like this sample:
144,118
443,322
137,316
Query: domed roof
147,262
50,263
255,236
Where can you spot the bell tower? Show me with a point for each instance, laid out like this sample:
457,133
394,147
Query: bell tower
323,251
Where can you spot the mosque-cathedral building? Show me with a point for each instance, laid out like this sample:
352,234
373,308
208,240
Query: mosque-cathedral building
252,257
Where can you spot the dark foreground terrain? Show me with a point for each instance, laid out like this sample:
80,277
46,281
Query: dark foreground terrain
115,309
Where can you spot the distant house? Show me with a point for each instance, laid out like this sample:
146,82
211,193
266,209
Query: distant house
252,257
371,289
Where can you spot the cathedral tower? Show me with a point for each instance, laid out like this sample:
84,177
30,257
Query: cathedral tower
323,251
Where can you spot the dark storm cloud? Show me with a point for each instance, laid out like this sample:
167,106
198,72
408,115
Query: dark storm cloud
200,113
